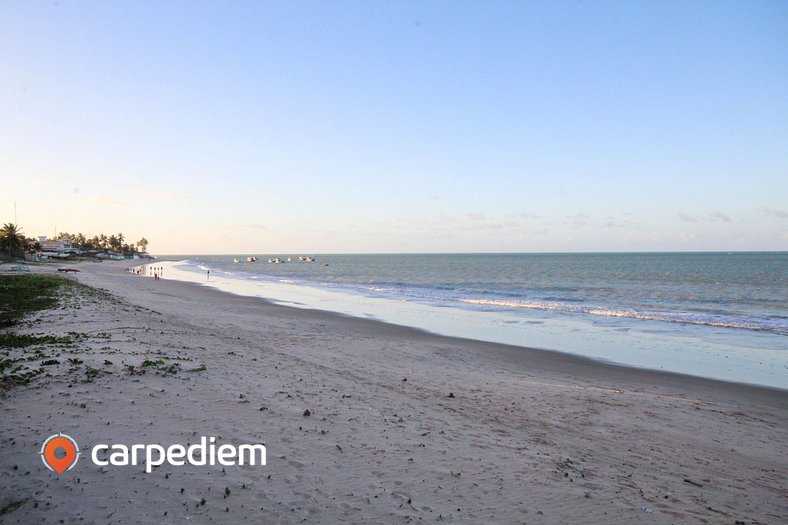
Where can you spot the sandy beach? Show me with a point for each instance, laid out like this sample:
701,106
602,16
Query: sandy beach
366,422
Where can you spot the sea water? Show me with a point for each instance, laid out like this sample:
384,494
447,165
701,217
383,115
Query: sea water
718,315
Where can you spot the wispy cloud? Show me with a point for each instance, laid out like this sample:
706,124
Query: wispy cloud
613,222
445,219
484,226
776,213
579,219
149,193
527,215
719,216
686,217
476,216
106,200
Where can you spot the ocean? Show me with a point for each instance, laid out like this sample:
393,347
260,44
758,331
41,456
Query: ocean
719,315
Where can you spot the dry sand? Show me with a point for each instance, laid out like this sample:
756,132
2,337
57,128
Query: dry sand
405,426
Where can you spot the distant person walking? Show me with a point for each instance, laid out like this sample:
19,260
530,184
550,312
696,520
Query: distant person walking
209,275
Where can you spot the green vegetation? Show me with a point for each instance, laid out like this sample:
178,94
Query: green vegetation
19,374
12,241
25,357
14,244
9,340
114,242
23,294
160,365
91,374
11,507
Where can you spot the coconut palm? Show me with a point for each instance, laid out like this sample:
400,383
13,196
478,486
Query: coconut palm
113,243
12,241
80,241
143,244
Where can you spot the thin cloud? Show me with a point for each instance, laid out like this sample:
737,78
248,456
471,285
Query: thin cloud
776,213
719,216
444,219
149,193
528,215
106,200
579,219
487,226
612,222
476,216
686,217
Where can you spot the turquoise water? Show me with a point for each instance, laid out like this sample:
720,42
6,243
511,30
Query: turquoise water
722,303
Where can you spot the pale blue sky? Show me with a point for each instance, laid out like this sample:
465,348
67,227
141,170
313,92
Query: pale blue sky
268,127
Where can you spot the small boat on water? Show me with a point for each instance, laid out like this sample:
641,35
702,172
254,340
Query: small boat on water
236,260
251,258
276,260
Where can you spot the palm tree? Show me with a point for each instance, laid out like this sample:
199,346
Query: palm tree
143,244
103,241
80,241
12,241
113,243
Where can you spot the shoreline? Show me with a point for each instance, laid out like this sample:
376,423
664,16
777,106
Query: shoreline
607,360
468,431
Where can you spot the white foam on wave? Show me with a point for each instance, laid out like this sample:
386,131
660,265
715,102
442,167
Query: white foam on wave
777,326
690,349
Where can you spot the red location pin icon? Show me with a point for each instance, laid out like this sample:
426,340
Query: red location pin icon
59,453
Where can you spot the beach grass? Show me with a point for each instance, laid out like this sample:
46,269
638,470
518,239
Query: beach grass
10,340
24,357
23,294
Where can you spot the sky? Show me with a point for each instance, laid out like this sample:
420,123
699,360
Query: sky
373,127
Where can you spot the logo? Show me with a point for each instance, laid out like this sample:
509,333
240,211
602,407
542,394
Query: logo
59,453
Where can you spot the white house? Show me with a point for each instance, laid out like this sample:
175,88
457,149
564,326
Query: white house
55,248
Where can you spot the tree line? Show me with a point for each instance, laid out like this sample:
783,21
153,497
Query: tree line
14,242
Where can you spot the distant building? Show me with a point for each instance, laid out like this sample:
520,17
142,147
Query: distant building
57,248
54,245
